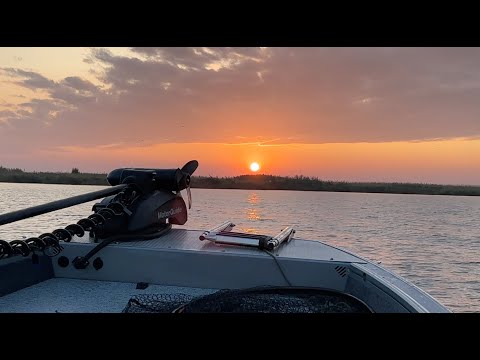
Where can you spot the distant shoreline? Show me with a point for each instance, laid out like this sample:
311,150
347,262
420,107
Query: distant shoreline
251,182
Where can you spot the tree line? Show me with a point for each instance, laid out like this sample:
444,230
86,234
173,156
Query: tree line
250,182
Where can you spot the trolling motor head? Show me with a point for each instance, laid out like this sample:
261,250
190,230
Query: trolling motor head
151,202
149,180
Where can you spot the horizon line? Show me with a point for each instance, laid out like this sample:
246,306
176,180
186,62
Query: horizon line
316,178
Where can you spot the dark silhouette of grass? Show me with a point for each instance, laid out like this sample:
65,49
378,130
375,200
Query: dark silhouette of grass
73,178
305,183
251,182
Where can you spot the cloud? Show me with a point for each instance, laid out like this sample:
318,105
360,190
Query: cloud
31,79
67,95
228,95
79,84
201,57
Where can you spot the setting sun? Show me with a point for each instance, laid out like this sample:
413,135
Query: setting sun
254,167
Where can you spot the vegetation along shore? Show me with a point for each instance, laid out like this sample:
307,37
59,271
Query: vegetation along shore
250,182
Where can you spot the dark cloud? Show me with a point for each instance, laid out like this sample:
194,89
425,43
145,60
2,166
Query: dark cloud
306,95
68,94
79,84
71,96
31,79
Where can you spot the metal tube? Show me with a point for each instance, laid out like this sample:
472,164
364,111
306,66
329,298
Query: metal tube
285,235
59,204
226,226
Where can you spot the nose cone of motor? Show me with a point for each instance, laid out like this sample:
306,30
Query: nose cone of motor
114,177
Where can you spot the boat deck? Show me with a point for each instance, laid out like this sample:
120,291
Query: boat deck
59,295
179,263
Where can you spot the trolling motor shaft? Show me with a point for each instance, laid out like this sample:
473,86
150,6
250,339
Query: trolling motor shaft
57,205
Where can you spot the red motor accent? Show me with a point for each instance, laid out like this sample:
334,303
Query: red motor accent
175,210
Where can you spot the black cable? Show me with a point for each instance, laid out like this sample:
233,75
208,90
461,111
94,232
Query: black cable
279,267
5,249
49,243
81,262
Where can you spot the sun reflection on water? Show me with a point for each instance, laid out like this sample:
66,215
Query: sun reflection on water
252,212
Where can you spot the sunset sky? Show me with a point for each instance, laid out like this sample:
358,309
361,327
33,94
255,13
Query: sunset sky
355,114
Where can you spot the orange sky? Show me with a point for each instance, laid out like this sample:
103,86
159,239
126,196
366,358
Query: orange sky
396,161
366,114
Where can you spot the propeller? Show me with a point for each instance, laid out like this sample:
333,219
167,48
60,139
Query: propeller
187,170
190,167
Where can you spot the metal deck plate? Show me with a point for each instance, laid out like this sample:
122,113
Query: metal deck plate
180,258
82,296
181,239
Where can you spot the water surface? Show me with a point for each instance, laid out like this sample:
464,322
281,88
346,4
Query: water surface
432,241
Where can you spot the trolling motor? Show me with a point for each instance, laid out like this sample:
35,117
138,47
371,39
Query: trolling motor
141,204
146,209
150,204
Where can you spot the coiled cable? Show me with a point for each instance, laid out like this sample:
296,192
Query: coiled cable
49,243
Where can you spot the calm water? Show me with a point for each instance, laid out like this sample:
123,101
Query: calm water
433,241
